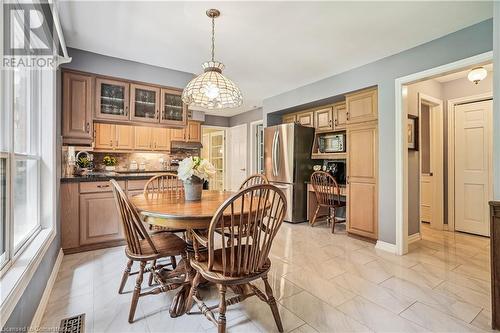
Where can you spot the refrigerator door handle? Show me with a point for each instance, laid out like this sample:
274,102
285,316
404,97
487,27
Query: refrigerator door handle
278,153
275,173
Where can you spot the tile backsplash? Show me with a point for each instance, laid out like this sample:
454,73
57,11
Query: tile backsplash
153,161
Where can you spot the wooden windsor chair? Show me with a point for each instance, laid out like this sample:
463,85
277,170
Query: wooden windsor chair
255,179
242,256
327,193
164,184
143,248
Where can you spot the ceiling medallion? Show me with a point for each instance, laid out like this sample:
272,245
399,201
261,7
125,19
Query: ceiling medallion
211,89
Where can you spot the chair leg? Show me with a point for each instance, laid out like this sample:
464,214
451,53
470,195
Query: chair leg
173,261
125,276
192,292
334,220
313,220
137,292
153,267
222,309
272,304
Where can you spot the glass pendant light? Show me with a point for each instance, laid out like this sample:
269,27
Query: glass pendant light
211,89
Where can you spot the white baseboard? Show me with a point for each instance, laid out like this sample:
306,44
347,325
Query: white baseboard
37,318
414,238
384,246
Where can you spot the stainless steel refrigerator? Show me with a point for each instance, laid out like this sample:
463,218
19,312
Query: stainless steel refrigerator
288,165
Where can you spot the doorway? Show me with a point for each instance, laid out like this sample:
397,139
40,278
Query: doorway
214,150
237,162
403,180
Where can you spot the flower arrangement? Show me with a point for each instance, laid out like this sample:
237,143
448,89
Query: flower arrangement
83,162
195,167
109,161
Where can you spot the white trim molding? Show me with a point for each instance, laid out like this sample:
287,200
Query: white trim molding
401,145
414,238
19,275
37,318
384,246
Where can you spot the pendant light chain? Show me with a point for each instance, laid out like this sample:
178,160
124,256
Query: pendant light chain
213,38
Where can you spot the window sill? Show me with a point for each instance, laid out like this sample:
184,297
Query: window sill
19,274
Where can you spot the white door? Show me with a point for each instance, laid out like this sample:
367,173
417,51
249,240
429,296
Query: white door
237,162
473,149
431,161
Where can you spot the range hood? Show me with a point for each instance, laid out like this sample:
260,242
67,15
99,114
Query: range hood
185,145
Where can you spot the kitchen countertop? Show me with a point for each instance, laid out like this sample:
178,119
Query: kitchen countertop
104,176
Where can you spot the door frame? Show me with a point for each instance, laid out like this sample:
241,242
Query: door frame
253,147
226,138
401,144
451,152
436,105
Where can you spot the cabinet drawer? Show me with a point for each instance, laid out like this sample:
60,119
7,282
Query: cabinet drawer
102,186
136,184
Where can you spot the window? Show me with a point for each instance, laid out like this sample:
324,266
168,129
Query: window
19,159
260,148
257,147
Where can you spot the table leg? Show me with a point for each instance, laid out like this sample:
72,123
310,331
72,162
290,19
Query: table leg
178,306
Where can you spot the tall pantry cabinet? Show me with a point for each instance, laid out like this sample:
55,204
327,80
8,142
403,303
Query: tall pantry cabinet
362,163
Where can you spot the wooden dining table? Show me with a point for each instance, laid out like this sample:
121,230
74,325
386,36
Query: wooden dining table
168,209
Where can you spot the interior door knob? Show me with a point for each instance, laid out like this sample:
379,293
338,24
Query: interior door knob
243,169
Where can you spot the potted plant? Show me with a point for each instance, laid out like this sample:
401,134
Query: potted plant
193,171
109,163
84,165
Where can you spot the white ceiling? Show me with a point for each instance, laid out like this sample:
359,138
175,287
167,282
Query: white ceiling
461,74
267,47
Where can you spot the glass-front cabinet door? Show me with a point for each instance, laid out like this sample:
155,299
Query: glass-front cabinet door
173,111
112,99
144,103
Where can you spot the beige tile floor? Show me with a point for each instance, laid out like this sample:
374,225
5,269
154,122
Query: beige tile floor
323,283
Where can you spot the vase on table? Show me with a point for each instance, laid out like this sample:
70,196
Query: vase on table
192,188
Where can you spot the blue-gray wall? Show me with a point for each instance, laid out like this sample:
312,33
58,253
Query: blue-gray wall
462,44
126,69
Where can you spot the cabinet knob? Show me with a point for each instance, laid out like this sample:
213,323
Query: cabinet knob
347,115
87,127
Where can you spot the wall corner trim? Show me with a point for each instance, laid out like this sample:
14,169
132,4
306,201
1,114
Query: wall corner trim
37,318
414,238
384,246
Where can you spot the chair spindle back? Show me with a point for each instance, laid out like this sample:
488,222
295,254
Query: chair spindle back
250,221
255,179
326,188
132,224
165,182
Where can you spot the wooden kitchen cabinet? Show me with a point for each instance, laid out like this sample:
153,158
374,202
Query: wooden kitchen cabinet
112,99
306,118
178,134
143,138
114,137
289,118
99,218
160,138
104,136
323,118
173,110
193,131
362,106
144,103
339,116
77,108
362,174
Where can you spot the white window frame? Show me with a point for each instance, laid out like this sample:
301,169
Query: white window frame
16,273
253,146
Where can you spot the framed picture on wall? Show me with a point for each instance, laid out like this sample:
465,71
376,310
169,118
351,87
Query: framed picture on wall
412,132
